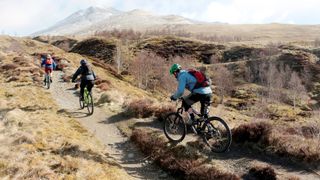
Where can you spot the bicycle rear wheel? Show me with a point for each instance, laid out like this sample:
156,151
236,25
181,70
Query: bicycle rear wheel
217,135
90,105
174,127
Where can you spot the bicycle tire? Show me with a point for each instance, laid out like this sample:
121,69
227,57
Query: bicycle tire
90,105
215,134
167,127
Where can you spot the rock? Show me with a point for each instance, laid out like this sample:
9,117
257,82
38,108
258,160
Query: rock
104,98
15,117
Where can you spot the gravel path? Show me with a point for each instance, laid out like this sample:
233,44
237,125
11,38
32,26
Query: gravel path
119,147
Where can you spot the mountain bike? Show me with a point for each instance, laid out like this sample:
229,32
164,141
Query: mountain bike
47,80
213,130
87,101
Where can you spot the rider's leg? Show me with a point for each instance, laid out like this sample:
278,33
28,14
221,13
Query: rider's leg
205,100
45,74
187,102
90,85
50,74
83,84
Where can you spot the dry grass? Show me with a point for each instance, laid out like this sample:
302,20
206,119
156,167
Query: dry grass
144,108
296,141
41,144
141,108
37,142
180,161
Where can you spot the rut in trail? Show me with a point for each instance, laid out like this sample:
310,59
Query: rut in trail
119,147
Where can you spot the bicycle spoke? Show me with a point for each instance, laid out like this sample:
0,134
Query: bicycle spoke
174,127
217,135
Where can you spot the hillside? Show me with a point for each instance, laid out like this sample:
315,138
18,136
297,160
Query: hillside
276,132
39,138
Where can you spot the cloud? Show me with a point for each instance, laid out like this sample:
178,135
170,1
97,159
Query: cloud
27,16
253,11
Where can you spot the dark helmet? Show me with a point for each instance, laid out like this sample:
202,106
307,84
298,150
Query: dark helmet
83,62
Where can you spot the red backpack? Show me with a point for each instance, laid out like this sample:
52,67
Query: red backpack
49,61
202,80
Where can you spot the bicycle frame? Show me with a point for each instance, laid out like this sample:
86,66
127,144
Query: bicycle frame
86,94
206,109
202,117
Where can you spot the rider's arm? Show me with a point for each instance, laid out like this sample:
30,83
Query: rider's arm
94,75
54,64
42,62
181,86
76,74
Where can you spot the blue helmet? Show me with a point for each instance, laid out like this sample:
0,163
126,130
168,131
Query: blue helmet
83,62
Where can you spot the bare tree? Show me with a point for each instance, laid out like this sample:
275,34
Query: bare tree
118,57
298,91
223,79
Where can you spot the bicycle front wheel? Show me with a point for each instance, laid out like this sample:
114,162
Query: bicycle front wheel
217,134
81,103
90,103
174,127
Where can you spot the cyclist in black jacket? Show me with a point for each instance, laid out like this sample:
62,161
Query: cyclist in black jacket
87,77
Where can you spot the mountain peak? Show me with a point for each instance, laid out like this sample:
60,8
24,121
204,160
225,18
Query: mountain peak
140,12
95,18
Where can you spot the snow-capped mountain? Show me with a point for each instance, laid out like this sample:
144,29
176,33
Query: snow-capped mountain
98,19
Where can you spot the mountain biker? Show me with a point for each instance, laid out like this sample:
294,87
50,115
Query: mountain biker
187,81
87,77
48,63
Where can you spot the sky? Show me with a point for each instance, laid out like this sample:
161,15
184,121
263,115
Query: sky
23,17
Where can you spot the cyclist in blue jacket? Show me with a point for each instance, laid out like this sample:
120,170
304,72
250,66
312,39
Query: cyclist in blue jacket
187,81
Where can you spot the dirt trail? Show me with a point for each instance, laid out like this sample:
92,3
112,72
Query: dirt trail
117,145
134,162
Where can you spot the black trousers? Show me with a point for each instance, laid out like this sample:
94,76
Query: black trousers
86,83
189,100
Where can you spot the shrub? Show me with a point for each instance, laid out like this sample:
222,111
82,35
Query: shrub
100,81
252,132
176,160
144,108
262,173
21,61
7,67
141,108
162,111
298,142
103,86
203,172
148,143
